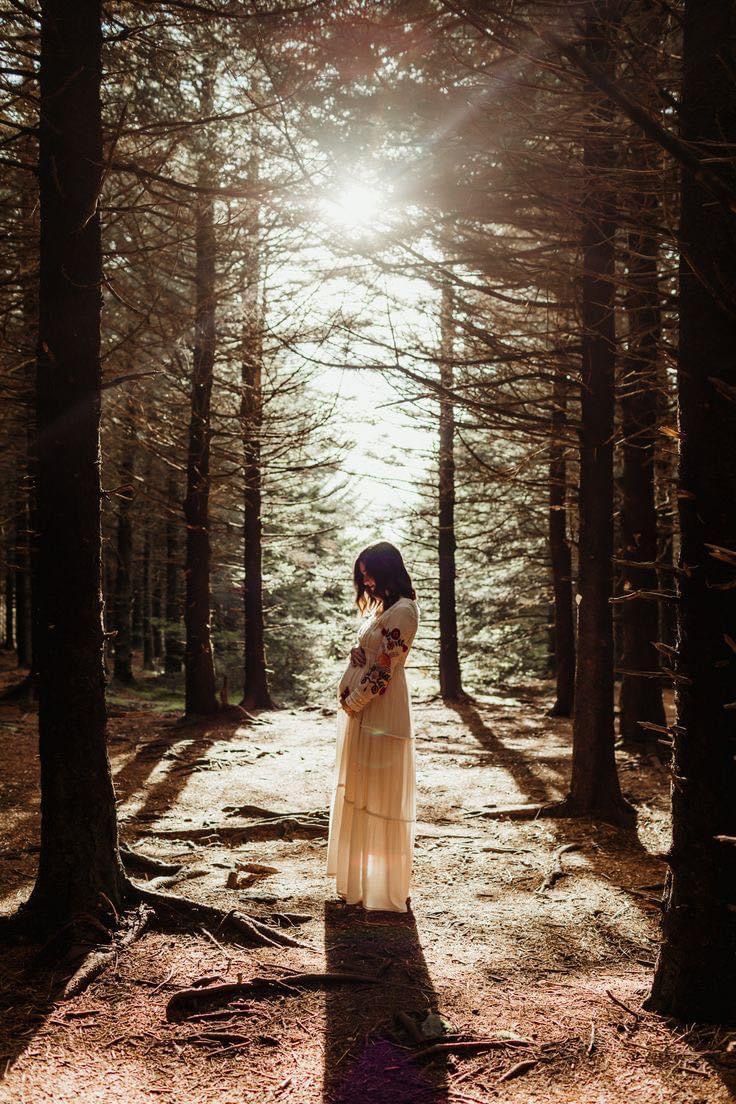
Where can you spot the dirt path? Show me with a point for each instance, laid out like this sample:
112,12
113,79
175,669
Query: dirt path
554,973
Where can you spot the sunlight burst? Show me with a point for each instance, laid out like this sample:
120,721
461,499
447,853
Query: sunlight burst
355,206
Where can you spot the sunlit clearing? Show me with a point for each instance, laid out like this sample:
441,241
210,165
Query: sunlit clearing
355,206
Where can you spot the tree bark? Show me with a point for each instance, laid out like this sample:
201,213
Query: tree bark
23,613
594,788
9,642
641,697
147,600
156,612
79,859
561,557
123,600
173,644
200,696
695,977
451,688
256,692
665,464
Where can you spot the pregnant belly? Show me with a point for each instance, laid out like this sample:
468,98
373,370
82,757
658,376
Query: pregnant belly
352,676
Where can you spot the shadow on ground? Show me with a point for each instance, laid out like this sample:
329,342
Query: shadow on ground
26,1001
367,1051
509,759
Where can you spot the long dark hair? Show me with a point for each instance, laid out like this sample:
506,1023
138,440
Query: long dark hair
383,561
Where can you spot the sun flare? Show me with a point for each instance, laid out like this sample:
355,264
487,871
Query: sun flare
355,206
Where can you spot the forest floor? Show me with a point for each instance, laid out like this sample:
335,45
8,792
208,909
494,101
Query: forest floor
547,952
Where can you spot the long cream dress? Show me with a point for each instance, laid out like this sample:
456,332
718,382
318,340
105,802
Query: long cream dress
373,811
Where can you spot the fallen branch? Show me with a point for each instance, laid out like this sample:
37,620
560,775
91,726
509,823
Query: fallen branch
621,1004
591,1042
470,1045
555,871
509,850
518,1069
189,1002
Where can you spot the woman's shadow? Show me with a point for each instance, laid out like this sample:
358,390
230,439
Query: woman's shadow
369,1028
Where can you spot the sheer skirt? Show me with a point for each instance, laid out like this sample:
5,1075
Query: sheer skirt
373,810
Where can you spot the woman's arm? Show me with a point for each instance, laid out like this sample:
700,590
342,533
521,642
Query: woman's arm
398,631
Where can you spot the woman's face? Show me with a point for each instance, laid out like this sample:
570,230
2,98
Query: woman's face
368,581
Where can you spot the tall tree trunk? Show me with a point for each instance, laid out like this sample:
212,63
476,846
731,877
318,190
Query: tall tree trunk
23,624
695,977
641,696
594,788
560,556
156,615
665,464
200,696
147,600
9,641
173,643
79,859
108,609
256,693
123,603
451,687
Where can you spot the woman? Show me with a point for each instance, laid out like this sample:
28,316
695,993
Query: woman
372,816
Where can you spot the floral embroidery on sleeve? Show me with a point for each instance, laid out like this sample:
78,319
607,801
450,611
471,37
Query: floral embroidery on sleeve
378,677
393,640
395,643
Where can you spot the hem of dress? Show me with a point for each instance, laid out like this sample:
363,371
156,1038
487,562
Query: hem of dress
369,908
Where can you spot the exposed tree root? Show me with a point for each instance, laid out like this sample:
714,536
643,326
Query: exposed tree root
258,812
286,919
168,880
137,863
517,812
463,698
224,714
25,925
191,1002
615,811
182,913
289,827
99,959
618,813
558,710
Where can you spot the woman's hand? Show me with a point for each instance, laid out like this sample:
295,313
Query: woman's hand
346,709
357,657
